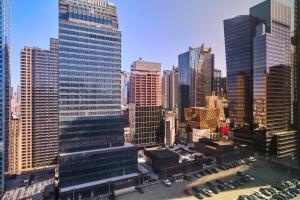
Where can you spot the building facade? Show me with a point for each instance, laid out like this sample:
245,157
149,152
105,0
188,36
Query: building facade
239,33
170,89
272,71
14,145
5,86
39,107
170,127
145,111
93,158
195,78
145,84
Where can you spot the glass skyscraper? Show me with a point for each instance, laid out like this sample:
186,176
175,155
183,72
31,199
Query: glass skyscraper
93,156
239,33
195,78
5,85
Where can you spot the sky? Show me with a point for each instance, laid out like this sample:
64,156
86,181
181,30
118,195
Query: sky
154,30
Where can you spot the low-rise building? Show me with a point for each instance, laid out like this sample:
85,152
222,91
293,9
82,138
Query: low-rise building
165,163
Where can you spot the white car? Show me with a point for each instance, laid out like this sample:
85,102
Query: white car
167,182
252,159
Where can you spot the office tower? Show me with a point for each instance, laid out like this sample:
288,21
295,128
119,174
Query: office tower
224,86
93,158
170,89
217,82
195,78
165,90
272,70
5,86
39,107
239,32
145,112
14,145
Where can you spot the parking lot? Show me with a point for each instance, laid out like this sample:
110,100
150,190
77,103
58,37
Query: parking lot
263,172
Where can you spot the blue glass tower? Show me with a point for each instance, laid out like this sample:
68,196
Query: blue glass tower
93,157
195,78
5,84
239,32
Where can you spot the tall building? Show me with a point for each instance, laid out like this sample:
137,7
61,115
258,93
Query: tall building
165,90
272,69
5,86
170,89
239,32
145,85
14,145
39,107
93,158
219,83
145,111
195,78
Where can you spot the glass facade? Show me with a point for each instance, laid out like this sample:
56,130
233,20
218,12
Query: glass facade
239,33
146,125
272,66
5,85
91,139
195,79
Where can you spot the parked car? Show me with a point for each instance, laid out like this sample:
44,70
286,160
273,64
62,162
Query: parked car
167,182
251,159
196,189
188,177
140,190
199,196
207,193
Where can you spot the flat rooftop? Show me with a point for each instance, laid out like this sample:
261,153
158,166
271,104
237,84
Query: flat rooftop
161,153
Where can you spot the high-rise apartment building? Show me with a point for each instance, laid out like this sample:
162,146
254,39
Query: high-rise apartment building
145,85
239,32
5,86
39,107
195,78
14,145
145,112
93,158
170,89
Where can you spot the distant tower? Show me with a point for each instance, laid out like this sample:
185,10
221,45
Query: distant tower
195,78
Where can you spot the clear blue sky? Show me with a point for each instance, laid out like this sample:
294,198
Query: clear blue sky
155,30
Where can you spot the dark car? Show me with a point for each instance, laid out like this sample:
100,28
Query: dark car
199,196
196,189
215,190
188,177
208,171
221,187
140,190
209,184
202,173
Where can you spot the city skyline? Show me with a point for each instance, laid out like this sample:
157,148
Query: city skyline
29,28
